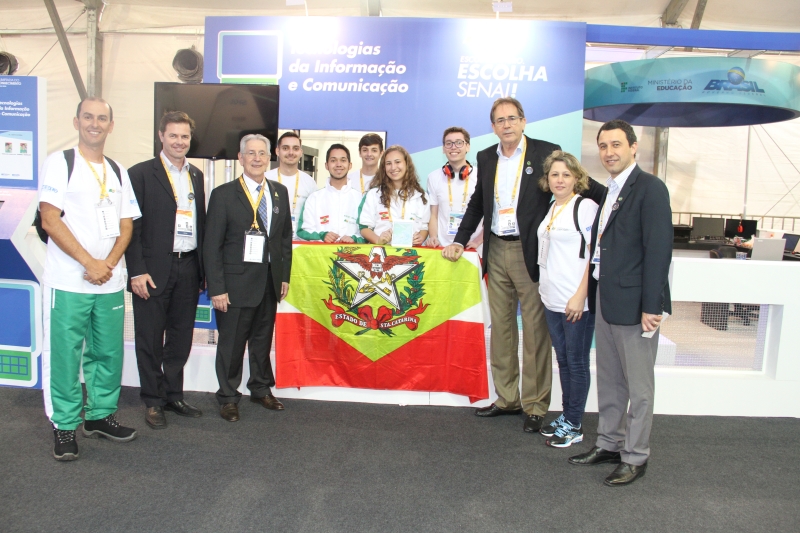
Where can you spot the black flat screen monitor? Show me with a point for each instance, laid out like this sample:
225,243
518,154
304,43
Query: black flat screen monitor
791,242
732,228
707,227
223,114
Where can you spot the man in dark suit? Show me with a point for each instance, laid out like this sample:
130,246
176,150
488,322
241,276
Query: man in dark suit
248,260
628,292
512,206
165,267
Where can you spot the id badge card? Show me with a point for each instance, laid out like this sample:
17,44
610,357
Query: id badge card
507,221
294,224
254,246
403,234
108,221
454,222
184,226
544,248
596,256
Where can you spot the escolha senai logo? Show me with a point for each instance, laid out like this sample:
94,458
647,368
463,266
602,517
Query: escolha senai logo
356,279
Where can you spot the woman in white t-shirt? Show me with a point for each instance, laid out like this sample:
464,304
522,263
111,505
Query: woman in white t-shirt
564,236
396,195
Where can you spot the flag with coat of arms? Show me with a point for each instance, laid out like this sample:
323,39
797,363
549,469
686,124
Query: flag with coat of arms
380,317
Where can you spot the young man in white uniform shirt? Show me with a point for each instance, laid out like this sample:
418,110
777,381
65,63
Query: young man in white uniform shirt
299,184
330,214
449,191
84,306
370,148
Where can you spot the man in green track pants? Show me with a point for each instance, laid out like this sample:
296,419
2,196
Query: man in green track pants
87,208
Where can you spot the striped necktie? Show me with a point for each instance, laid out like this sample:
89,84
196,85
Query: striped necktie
262,210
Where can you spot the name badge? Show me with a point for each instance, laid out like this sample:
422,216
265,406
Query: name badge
108,221
294,224
544,248
254,246
454,222
507,221
184,226
596,256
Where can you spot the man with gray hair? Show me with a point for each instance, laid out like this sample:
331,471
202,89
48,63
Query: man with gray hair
247,255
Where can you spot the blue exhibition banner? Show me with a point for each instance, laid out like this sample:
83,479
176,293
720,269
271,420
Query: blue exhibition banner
411,78
20,97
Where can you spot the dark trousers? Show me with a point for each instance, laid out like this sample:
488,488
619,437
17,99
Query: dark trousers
251,326
164,326
572,342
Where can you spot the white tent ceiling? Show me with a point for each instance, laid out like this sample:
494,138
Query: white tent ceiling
746,15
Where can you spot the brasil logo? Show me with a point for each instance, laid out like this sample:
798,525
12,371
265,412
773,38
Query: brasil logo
358,280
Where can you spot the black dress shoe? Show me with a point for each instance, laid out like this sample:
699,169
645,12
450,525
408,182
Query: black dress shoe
269,401
154,417
595,456
625,474
493,410
229,411
184,409
533,423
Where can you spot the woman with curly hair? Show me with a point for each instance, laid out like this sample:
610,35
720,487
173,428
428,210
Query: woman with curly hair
395,195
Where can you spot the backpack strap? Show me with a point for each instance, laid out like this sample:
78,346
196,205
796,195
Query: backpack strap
114,167
69,155
578,201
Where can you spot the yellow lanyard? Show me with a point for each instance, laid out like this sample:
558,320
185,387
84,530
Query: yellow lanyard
174,190
361,177
252,203
519,175
466,191
402,213
555,215
102,184
296,187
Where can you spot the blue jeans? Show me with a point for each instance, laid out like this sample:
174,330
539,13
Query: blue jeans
572,342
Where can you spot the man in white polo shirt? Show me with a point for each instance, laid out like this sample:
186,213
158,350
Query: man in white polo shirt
449,190
370,148
330,214
299,184
87,207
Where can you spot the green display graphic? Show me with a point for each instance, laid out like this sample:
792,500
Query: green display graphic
203,314
15,365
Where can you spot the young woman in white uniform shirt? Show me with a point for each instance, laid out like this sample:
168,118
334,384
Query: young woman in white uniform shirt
395,195
564,256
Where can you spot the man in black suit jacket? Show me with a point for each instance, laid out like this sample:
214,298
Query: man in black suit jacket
628,292
246,283
165,268
511,204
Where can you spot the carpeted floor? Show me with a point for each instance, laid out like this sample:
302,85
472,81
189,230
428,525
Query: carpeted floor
343,467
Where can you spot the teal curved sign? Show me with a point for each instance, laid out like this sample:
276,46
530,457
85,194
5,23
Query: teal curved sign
693,92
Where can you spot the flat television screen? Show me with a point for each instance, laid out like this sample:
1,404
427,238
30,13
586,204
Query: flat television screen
749,228
223,114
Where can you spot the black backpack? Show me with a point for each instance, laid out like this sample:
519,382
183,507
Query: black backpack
69,155
578,201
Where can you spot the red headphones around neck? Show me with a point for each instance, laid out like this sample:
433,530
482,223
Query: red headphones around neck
463,173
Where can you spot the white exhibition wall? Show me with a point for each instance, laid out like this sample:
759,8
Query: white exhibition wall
706,166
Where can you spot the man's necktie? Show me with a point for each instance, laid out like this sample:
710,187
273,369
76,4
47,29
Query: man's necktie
262,211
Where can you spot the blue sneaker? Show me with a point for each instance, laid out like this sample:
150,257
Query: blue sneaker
565,436
550,430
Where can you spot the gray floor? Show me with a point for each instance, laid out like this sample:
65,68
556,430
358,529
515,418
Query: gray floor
324,467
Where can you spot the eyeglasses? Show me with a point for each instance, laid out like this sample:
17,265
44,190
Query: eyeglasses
511,121
459,144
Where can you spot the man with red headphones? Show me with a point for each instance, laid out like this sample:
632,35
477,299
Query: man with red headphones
449,191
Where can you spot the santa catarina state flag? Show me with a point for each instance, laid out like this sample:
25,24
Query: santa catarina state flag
380,317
